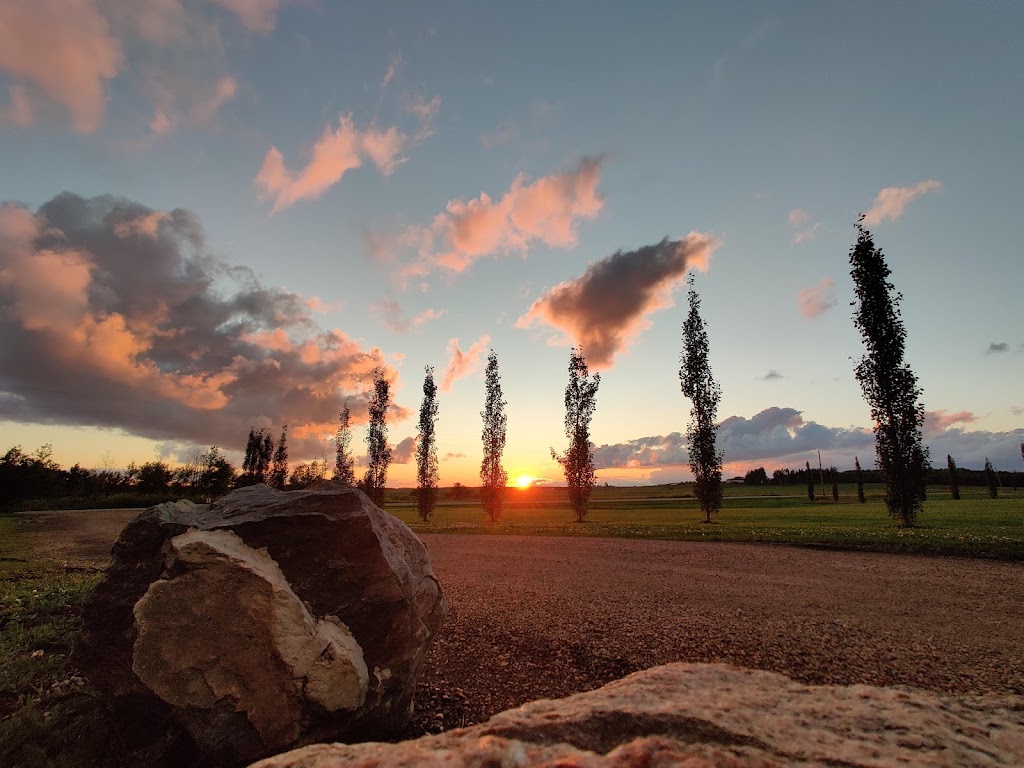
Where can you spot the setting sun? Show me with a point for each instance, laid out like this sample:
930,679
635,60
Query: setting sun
525,481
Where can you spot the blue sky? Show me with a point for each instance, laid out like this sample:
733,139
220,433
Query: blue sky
413,184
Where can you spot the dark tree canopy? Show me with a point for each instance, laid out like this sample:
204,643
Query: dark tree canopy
258,456
810,482
860,480
889,386
493,477
835,484
578,460
426,449
704,394
954,480
279,470
991,480
344,462
756,477
378,452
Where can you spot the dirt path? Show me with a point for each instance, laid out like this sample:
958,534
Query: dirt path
534,617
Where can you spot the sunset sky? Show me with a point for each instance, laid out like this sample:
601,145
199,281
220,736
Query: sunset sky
224,213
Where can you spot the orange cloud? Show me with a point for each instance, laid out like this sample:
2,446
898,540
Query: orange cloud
937,422
817,300
337,151
255,15
890,202
463,363
609,304
65,49
547,210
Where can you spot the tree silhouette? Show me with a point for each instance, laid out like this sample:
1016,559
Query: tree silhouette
991,480
835,485
259,450
889,386
810,483
426,449
578,460
344,463
704,394
279,471
378,453
493,477
860,480
954,481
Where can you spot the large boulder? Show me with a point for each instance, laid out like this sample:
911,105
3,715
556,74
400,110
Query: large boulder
711,715
270,620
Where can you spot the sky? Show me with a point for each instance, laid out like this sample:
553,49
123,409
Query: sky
220,214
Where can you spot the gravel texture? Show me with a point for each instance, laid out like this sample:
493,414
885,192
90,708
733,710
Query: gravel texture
532,617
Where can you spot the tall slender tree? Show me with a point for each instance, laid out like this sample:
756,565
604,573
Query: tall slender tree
954,481
835,484
704,394
344,462
493,477
810,483
378,452
256,464
279,470
426,449
578,460
860,480
889,385
990,480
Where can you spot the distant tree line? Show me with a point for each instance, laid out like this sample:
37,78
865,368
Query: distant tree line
935,476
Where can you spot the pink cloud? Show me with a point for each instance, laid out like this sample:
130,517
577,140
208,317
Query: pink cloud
19,109
890,202
337,151
463,363
392,71
817,300
65,49
937,422
800,220
256,15
391,312
798,217
609,305
404,451
547,211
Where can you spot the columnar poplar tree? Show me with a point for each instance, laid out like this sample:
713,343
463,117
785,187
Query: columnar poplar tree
954,481
704,394
259,449
860,480
578,460
991,480
426,449
835,485
493,477
344,463
378,452
888,384
279,471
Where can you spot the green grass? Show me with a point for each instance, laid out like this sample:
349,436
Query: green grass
975,526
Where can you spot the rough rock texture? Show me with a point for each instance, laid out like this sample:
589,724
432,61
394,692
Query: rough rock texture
699,715
269,620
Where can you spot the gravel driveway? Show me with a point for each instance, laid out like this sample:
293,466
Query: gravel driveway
532,617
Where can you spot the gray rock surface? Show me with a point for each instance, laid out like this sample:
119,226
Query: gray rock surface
703,715
270,620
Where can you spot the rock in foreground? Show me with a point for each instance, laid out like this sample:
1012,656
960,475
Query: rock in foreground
271,620
712,715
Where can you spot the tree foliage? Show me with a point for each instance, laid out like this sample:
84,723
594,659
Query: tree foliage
810,483
990,480
756,477
860,480
889,385
578,460
256,464
279,469
954,481
493,477
704,394
344,462
378,452
835,484
426,449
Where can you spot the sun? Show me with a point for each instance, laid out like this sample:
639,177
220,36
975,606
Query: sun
525,481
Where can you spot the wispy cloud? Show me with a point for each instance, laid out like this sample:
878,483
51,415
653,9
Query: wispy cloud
937,422
463,363
609,304
256,15
391,312
817,300
891,201
547,210
391,71
338,150
997,347
800,220
118,316
772,375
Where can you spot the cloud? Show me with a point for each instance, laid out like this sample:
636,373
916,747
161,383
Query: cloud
256,15
424,111
404,451
116,315
391,71
800,220
890,202
450,455
1016,410
608,306
189,102
547,210
337,151
19,109
937,422
391,312
996,347
772,375
817,300
463,363
65,50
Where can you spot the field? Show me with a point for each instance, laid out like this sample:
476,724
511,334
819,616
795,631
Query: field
974,526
